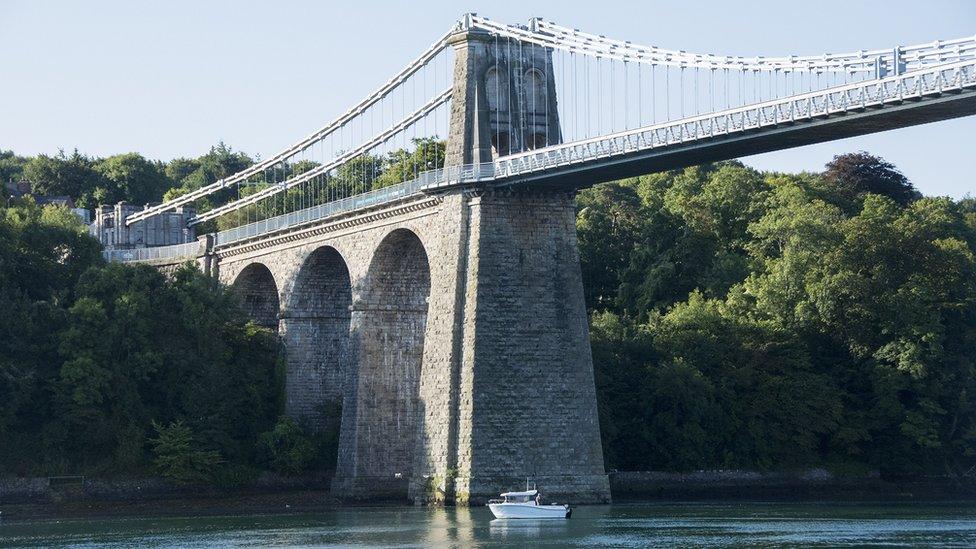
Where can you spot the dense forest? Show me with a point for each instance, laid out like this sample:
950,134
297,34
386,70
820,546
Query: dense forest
93,381
772,321
739,319
126,177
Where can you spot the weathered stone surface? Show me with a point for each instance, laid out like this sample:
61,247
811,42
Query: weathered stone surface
528,402
314,328
452,327
504,99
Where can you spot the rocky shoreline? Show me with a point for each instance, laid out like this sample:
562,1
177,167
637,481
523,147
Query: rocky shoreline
76,497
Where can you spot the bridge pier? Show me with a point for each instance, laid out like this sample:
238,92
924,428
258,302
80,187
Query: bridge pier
527,398
454,330
468,365
383,416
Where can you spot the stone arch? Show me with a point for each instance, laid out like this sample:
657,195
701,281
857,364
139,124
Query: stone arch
498,94
389,322
259,294
315,334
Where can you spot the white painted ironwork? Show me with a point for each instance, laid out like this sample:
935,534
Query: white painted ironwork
917,86
188,251
444,97
550,35
832,101
883,77
316,136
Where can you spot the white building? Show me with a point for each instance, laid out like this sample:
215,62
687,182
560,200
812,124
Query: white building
161,230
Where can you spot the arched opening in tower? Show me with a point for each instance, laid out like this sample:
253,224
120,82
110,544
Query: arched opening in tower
259,294
390,333
536,110
315,333
497,93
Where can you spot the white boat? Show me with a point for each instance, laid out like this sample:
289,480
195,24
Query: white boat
526,505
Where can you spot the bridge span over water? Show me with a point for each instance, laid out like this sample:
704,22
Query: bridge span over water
418,254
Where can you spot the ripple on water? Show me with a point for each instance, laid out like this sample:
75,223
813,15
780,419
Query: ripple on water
627,525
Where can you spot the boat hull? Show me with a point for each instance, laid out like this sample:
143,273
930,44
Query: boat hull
528,511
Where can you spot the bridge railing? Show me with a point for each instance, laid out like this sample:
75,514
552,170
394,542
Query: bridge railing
856,96
189,250
470,173
861,95
315,213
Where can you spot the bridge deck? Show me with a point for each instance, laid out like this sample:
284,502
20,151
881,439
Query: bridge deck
938,93
784,135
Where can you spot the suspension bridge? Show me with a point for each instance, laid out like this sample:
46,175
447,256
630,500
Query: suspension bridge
418,254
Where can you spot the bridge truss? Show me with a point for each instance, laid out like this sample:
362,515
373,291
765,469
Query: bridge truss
622,109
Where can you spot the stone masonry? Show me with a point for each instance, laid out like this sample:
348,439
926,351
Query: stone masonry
462,359
451,327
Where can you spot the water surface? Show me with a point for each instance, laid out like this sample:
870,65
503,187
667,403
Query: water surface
618,525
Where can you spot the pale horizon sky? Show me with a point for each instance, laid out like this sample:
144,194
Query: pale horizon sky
171,79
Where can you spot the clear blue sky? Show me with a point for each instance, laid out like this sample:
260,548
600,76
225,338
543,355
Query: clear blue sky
171,78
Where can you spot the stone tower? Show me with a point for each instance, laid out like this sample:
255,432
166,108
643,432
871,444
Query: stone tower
504,98
526,398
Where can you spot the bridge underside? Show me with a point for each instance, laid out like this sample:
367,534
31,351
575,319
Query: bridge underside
767,139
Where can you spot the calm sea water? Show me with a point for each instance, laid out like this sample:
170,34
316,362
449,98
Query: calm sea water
619,525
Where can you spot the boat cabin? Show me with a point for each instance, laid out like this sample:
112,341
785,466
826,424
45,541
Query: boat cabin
519,497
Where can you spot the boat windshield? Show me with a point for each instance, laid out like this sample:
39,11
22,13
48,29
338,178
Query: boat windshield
520,497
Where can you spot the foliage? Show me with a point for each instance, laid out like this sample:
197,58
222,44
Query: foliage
220,162
403,164
287,448
738,320
95,181
768,321
11,166
63,175
132,178
177,457
854,175
88,360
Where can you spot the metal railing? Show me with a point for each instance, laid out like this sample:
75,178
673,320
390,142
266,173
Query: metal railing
918,84
860,95
870,93
189,250
315,213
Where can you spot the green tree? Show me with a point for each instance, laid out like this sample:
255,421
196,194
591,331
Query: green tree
609,222
132,178
217,164
403,164
179,169
177,455
287,448
64,175
782,320
853,175
11,166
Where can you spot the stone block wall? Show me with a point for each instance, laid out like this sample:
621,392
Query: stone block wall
459,347
314,328
528,399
